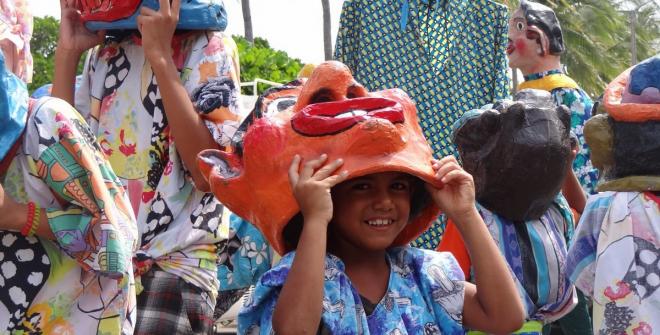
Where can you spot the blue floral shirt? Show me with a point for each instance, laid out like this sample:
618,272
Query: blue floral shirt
424,296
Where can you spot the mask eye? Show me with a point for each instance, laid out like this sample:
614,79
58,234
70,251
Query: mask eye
520,26
279,105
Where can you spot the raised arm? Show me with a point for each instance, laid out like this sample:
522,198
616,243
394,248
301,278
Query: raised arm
493,304
188,129
311,188
74,39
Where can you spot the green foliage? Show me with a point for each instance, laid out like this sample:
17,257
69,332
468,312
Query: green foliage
597,37
42,45
259,60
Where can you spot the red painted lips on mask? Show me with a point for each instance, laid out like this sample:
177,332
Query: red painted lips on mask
334,117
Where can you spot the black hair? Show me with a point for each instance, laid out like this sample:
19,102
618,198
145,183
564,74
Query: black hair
419,200
545,19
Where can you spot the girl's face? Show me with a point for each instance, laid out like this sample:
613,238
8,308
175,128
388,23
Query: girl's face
370,211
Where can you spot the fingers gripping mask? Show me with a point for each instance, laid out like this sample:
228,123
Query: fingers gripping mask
518,152
329,113
122,14
625,142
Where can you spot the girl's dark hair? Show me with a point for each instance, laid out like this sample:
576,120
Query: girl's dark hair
419,199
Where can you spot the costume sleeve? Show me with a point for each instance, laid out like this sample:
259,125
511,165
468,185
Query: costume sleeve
581,259
579,105
442,283
94,223
501,84
348,35
210,76
244,256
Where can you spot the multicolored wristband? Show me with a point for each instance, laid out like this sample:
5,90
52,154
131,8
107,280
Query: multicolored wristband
33,220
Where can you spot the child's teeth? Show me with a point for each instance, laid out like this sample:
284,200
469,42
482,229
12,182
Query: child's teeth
379,222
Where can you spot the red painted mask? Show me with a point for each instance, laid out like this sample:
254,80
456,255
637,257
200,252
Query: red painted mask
107,10
330,113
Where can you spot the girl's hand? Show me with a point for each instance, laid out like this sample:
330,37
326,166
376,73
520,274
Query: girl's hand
311,186
456,196
157,29
73,35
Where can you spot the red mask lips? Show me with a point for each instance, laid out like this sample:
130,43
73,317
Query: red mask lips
330,118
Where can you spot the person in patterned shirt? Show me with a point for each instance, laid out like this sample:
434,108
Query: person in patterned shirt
67,233
155,94
535,47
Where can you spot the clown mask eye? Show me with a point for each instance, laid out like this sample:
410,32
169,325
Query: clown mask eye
520,26
280,104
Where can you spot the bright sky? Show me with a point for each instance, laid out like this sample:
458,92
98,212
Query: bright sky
295,26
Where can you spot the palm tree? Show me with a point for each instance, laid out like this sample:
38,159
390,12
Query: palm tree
597,37
247,20
327,39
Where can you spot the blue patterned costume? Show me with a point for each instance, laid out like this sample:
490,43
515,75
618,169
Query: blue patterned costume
566,92
448,55
424,296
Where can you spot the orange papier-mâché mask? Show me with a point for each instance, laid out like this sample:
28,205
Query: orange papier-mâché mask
329,113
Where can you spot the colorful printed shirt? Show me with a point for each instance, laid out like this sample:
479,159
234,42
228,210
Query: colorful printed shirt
535,251
615,259
180,226
424,296
81,283
566,92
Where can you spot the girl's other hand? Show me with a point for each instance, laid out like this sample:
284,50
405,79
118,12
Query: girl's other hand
456,196
73,35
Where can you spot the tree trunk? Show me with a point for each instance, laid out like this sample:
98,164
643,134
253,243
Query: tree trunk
247,20
327,35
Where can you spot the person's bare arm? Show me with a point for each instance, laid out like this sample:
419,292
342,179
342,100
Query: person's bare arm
74,39
493,304
571,188
189,131
15,216
293,314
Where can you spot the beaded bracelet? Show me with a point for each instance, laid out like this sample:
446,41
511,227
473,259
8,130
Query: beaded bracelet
36,219
30,219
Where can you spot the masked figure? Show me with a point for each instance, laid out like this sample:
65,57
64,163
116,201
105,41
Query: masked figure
155,95
535,47
615,256
518,152
372,132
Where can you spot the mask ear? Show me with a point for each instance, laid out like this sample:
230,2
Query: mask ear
475,133
217,166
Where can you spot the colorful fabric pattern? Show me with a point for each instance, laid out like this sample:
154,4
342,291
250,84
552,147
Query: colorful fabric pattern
567,93
82,283
244,256
448,55
180,227
15,35
535,251
615,260
424,296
